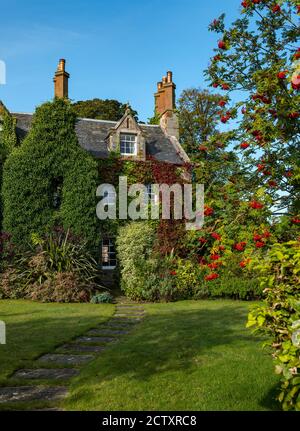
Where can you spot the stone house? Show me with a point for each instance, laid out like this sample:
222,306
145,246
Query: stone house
132,140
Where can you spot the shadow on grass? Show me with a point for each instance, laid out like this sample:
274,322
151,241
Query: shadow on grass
175,339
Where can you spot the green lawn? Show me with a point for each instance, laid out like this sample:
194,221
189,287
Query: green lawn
35,328
184,356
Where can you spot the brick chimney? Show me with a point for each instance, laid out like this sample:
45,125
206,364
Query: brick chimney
165,95
60,80
165,106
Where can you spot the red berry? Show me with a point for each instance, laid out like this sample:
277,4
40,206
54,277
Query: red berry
216,236
260,244
282,75
294,115
215,85
260,167
222,103
295,220
225,86
240,246
203,148
213,265
266,234
267,173
256,205
276,8
222,44
208,211
215,256
244,145
211,276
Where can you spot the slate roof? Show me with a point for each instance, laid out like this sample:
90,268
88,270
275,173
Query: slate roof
92,133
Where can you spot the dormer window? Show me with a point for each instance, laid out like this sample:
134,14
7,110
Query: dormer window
128,144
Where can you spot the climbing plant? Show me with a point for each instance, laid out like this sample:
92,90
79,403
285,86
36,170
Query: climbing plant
49,179
8,140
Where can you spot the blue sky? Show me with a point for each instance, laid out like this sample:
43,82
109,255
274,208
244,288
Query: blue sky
114,49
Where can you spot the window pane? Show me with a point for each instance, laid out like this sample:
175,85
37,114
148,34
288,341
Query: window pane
108,254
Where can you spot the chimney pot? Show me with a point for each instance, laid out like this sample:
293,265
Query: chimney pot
61,78
61,65
165,96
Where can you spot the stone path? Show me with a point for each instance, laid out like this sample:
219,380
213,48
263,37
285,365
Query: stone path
76,353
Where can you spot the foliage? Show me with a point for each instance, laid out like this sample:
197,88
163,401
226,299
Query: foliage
279,317
144,274
188,277
49,179
99,109
198,117
229,285
102,298
8,141
257,57
57,268
7,250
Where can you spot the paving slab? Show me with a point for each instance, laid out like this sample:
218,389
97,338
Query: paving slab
129,316
74,347
109,331
47,373
86,339
121,321
31,393
65,359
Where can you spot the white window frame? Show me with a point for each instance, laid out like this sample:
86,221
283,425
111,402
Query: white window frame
129,141
110,196
110,245
152,197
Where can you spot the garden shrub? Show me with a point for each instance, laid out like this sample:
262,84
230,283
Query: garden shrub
188,278
8,140
50,179
57,268
279,317
145,275
7,250
232,286
102,298
62,287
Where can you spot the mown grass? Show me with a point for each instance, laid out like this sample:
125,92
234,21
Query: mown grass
35,328
185,356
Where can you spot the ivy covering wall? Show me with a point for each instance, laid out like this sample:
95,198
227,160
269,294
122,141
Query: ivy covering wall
8,141
50,179
168,232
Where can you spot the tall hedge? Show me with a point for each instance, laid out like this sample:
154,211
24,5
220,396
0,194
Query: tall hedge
8,141
50,153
